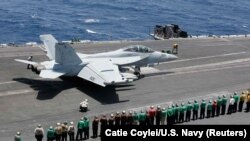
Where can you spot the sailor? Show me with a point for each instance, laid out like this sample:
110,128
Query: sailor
117,119
18,136
203,108
175,48
231,105
95,124
86,128
214,106
29,66
39,132
242,100
176,113
80,125
173,117
219,102
189,109
209,109
71,131
142,118
123,118
58,131
135,118
236,100
64,131
104,122
147,119
163,115
195,110
158,115
84,105
152,112
50,134
248,102
170,115
182,110
223,105
130,118
111,119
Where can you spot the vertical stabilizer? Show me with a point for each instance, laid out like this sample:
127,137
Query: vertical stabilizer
49,42
66,55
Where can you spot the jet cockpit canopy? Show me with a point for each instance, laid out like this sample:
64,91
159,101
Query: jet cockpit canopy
138,48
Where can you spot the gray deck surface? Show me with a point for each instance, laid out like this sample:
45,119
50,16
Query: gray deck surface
206,68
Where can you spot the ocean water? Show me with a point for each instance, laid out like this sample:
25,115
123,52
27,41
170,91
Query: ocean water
24,20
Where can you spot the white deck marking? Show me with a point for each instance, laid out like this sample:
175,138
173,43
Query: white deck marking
15,92
205,57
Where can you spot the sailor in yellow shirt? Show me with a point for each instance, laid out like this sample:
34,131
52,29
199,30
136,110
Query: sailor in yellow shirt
175,48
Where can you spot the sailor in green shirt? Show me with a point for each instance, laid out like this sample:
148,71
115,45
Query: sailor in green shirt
51,134
209,109
182,110
176,113
170,115
219,103
189,109
223,105
203,109
236,100
86,128
195,110
163,115
142,117
80,126
135,118
18,136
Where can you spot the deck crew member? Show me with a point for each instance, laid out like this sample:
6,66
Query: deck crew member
223,105
111,119
64,131
242,100
189,109
231,105
18,136
214,107
203,108
175,48
39,132
236,100
95,124
158,115
195,110
29,66
209,109
86,128
80,125
71,131
219,102
50,134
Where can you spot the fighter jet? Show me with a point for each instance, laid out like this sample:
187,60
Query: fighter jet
103,69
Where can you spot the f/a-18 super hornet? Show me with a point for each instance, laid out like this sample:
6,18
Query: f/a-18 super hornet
103,69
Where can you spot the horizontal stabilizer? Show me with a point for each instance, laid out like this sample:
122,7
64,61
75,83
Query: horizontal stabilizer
26,62
50,74
102,72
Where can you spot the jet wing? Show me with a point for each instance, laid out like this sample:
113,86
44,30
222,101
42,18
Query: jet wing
26,62
102,72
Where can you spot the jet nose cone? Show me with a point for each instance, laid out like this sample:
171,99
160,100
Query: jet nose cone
172,57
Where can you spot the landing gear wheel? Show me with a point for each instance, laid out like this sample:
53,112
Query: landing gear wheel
138,74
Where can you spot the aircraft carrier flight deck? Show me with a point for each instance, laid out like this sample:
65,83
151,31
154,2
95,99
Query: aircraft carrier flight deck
205,68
